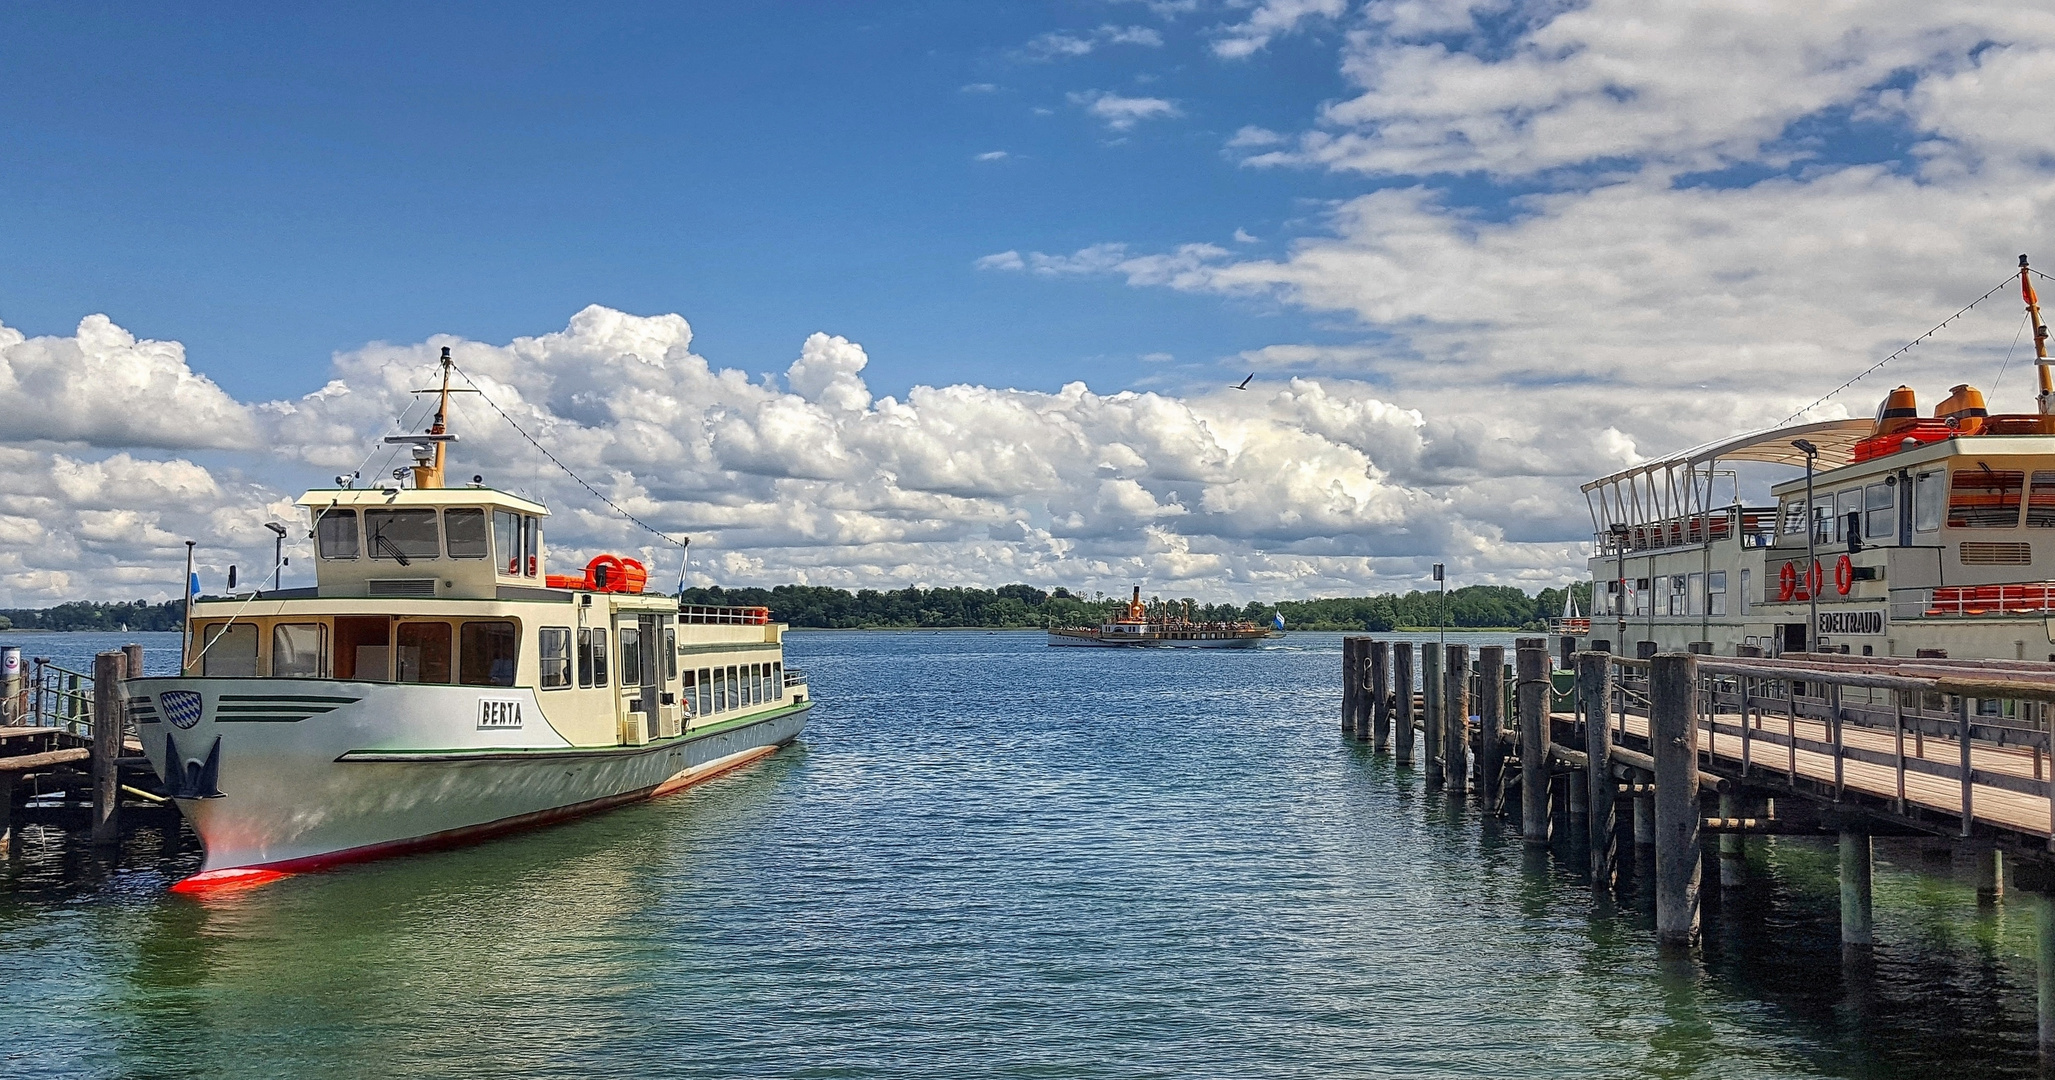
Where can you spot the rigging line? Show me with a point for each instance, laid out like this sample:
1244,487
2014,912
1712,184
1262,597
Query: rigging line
2008,354
596,493
401,423
1902,349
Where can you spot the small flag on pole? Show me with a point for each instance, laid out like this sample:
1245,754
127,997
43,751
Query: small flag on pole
1277,617
193,586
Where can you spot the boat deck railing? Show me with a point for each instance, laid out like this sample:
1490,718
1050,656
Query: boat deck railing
2031,598
702,614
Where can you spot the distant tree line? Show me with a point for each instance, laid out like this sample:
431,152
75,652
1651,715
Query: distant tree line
1009,606
1026,607
96,615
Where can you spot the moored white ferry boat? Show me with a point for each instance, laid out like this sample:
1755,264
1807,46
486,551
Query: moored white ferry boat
1137,627
1901,535
437,685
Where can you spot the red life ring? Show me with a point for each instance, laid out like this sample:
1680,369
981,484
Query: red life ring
1844,576
1814,579
1787,582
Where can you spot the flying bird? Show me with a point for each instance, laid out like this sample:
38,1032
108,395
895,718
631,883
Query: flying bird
1244,384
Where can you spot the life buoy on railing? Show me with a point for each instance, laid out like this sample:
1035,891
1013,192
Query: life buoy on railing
1814,579
1844,576
1787,582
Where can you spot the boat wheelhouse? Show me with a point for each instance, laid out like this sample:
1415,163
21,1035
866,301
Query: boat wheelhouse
437,684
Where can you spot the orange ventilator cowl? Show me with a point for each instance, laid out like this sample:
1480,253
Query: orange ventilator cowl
1965,406
1897,412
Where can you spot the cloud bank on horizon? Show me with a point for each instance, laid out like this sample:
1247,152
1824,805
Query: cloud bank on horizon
1584,235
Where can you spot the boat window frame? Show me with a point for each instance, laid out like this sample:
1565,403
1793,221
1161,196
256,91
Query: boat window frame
449,659
1929,501
566,659
467,646
323,665
211,652
506,560
2047,514
1983,478
1871,508
430,553
448,545
356,533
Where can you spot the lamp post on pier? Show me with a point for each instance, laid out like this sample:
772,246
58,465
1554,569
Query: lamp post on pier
1812,592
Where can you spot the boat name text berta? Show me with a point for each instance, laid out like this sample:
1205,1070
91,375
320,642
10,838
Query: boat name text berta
499,713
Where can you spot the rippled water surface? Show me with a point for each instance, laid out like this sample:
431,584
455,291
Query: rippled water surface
989,857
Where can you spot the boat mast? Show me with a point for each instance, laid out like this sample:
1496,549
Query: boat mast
430,476
2033,311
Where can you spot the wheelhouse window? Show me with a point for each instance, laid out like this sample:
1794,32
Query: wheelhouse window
401,535
1928,500
1880,518
531,546
463,533
592,657
554,642
299,651
230,651
2040,501
506,541
335,534
1849,502
1985,498
489,653
422,652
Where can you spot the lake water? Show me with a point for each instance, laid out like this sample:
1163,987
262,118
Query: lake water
987,857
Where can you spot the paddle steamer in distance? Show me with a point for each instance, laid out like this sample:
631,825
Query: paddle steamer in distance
438,685
1900,535
1136,627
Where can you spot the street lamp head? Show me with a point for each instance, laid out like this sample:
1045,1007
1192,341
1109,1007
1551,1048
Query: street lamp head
1806,447
1617,528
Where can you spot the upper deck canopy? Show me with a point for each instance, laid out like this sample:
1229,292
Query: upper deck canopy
1835,438
457,496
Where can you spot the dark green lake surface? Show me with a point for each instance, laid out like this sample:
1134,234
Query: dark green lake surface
989,857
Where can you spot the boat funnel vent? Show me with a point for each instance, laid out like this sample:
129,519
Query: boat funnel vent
402,586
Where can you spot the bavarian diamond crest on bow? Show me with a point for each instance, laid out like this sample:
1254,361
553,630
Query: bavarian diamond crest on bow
181,707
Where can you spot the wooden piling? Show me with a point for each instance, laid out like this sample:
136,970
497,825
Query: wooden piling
1455,719
1532,686
134,653
1732,854
1402,701
6,811
2044,974
1380,695
1856,931
1594,698
1350,646
1491,747
1673,730
1430,715
1364,700
1644,815
110,671
1987,871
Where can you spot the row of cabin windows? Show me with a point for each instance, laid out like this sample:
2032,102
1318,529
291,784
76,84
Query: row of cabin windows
738,686
590,658
374,649
405,534
1670,594
1979,498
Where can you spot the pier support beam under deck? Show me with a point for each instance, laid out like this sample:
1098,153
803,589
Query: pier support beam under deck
1455,719
1673,734
1402,701
1733,856
110,672
1987,872
1380,695
1857,933
1532,689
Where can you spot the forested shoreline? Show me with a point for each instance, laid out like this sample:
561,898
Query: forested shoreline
1007,607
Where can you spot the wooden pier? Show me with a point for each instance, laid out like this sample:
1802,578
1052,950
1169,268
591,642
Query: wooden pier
73,746
1707,751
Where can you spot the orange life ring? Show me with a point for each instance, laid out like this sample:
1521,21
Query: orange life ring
1814,579
1844,576
1787,582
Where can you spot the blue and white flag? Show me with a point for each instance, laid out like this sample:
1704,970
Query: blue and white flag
193,586
1277,618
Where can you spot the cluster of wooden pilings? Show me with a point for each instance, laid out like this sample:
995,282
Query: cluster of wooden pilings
81,752
1667,764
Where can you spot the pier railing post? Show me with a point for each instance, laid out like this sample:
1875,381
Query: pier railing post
1380,694
1594,696
1402,701
1430,712
1491,747
1531,685
1673,741
110,672
1455,719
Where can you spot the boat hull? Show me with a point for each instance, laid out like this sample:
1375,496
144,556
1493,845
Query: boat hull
387,769
1090,640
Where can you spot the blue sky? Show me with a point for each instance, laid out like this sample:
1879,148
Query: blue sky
270,188
899,293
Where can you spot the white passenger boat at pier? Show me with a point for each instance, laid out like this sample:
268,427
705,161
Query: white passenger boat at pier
1900,535
438,685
